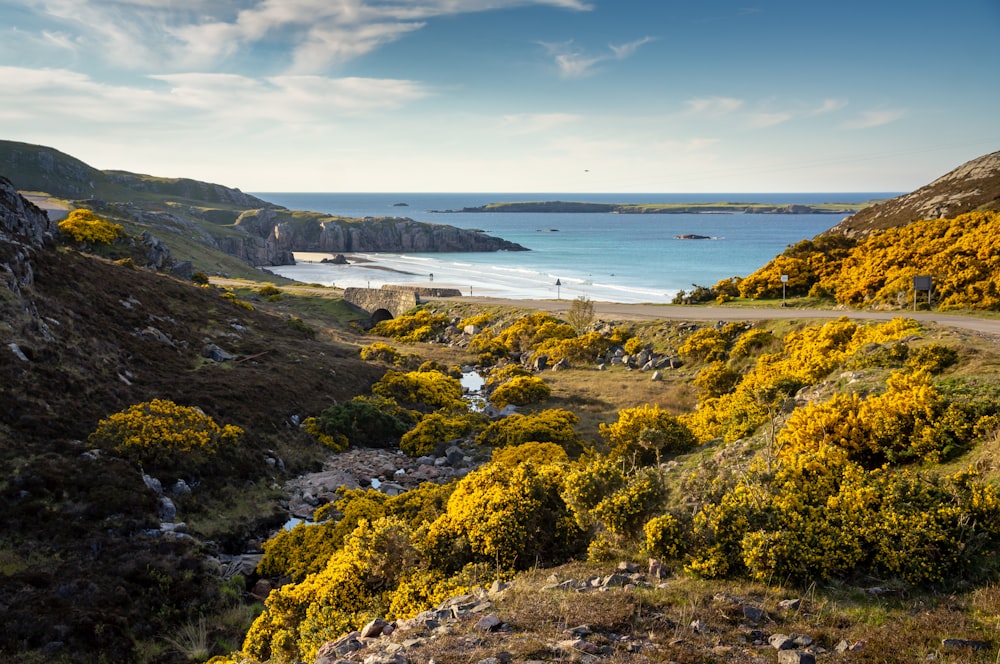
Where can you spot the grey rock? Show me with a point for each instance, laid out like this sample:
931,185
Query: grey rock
168,512
216,354
781,641
754,614
18,353
488,623
796,657
373,629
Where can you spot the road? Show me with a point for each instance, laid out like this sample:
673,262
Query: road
617,311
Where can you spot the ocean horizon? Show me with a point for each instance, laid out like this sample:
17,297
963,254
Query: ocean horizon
602,256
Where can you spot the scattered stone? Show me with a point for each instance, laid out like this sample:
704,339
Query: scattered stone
963,644
781,641
216,354
796,657
488,623
754,614
657,570
18,353
373,629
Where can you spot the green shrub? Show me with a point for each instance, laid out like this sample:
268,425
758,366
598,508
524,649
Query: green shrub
363,422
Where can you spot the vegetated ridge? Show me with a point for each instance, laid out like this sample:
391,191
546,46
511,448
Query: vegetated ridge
947,231
182,212
973,186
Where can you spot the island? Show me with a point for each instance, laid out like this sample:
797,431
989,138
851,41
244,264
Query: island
664,208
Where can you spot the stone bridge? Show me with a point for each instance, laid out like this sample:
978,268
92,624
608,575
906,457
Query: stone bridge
382,303
392,299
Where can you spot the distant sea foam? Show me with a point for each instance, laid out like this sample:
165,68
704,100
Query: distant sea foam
605,257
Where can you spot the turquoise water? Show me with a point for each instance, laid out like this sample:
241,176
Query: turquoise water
606,257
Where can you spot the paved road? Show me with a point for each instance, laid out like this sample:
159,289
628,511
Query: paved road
612,310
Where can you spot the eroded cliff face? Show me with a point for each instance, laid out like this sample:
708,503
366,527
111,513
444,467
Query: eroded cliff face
973,185
287,232
24,228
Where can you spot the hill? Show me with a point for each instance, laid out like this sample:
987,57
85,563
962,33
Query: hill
945,231
973,186
82,560
201,224
829,489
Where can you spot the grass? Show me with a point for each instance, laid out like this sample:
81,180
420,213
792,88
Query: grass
688,620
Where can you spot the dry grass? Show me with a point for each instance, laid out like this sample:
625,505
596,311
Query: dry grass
688,621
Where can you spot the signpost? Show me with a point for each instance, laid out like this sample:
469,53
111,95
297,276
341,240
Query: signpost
784,280
558,286
922,282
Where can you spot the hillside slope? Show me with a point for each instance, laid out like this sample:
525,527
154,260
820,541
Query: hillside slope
975,185
198,219
84,568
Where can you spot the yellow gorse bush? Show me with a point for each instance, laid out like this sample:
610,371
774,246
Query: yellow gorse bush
807,356
162,432
85,227
961,253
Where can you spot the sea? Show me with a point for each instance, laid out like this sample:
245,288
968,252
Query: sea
604,257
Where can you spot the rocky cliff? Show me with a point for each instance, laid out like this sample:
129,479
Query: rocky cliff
301,231
973,185
24,228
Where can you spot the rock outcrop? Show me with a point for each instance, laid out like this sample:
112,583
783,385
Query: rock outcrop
24,228
973,185
312,231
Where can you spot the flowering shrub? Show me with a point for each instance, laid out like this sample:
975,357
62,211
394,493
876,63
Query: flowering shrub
419,326
536,453
351,589
380,352
510,516
665,536
437,428
806,357
501,375
420,390
232,297
520,391
85,227
161,433
643,433
548,426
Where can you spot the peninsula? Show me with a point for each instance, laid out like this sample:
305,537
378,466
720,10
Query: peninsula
665,208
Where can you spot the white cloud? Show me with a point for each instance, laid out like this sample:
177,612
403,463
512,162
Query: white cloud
870,119
623,51
575,63
48,96
200,34
761,120
829,106
532,123
713,105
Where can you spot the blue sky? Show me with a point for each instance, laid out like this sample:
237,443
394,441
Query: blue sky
509,95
